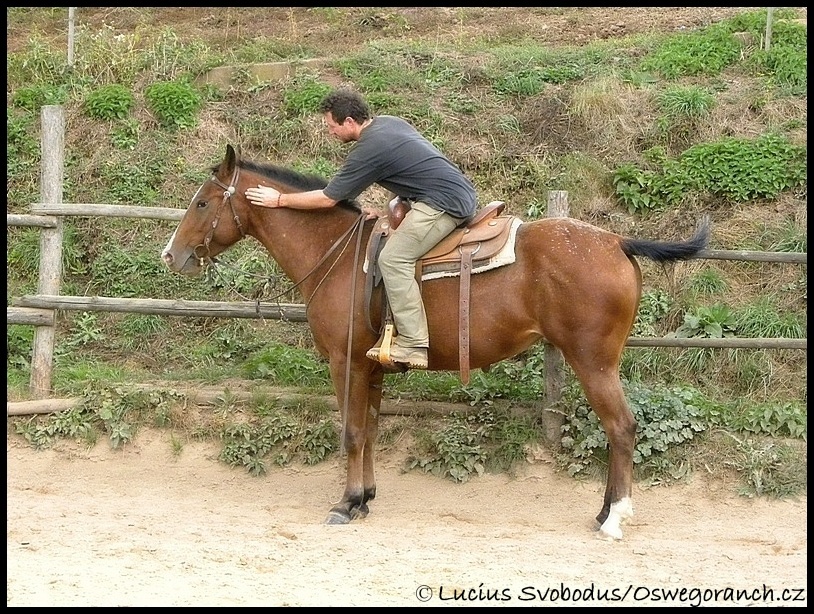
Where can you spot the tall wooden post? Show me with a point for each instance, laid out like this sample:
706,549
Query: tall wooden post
554,365
769,16
71,10
53,145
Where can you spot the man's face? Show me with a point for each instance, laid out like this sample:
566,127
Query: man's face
344,132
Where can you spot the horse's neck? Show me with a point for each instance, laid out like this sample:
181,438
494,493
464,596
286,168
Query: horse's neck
299,240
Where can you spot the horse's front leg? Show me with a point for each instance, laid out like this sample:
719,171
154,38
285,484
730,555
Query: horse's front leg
354,436
374,399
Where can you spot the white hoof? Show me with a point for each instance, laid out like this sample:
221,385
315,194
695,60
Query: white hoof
620,511
609,534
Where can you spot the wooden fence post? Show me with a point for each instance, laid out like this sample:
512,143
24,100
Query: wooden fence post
769,17
554,365
53,144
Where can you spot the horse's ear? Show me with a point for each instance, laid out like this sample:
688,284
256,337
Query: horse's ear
227,167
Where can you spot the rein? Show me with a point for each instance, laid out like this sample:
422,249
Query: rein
228,192
346,237
346,399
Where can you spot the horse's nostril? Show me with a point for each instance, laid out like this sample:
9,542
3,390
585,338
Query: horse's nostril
166,257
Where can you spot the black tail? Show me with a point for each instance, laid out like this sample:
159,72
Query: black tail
663,251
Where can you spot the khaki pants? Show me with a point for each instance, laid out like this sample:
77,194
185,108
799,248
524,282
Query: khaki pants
421,229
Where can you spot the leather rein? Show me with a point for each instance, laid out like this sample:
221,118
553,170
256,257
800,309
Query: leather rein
358,225
229,191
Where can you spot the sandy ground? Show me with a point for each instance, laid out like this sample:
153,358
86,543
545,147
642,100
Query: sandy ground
144,527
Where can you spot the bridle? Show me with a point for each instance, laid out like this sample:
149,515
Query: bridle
228,192
205,258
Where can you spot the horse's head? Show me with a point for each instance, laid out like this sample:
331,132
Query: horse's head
210,224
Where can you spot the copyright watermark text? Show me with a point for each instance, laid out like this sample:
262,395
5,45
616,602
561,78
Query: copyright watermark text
593,593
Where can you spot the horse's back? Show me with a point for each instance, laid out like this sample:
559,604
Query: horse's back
571,283
575,249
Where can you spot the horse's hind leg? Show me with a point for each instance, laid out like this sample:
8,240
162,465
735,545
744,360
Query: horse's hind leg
603,389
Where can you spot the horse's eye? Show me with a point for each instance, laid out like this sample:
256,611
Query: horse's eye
202,204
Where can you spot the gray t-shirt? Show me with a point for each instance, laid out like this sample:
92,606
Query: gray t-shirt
391,153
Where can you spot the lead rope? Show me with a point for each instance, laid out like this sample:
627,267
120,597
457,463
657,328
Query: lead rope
346,400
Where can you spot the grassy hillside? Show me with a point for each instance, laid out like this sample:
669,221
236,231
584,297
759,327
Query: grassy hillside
648,118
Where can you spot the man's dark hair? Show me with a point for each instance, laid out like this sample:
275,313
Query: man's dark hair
343,103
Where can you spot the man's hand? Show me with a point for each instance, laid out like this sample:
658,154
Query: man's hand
263,196
371,213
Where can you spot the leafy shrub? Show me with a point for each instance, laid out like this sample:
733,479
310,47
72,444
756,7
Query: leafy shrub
516,378
286,366
109,102
22,154
788,66
33,97
654,305
452,452
489,440
706,52
175,104
666,417
755,22
130,183
773,419
84,331
102,409
741,169
786,62
302,97
126,134
119,272
715,322
288,434
737,169
19,340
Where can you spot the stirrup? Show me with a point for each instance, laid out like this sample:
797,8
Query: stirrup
381,351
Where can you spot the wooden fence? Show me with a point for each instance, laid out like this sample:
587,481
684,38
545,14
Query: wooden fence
39,310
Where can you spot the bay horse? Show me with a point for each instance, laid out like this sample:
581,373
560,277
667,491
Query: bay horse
572,284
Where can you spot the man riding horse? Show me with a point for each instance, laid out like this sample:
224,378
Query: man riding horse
390,152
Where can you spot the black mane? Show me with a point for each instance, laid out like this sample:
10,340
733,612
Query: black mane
298,182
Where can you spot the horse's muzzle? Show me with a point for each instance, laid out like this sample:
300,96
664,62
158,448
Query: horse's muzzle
185,266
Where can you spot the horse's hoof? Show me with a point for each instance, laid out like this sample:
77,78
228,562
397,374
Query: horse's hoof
335,517
609,534
620,511
359,511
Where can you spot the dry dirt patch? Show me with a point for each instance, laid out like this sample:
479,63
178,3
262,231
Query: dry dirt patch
142,526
